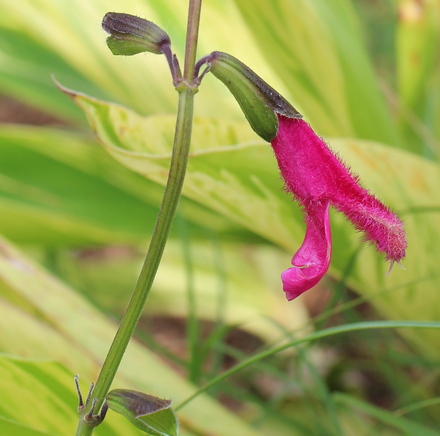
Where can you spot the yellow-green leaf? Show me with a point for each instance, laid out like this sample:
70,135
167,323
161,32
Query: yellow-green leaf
51,321
235,175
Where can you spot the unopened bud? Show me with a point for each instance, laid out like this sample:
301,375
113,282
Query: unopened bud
130,35
258,100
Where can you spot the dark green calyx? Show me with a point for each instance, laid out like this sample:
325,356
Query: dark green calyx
130,35
258,100
150,414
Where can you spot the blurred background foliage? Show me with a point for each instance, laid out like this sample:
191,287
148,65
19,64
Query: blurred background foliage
365,74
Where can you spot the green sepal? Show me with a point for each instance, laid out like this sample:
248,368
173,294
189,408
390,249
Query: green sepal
258,100
148,413
130,35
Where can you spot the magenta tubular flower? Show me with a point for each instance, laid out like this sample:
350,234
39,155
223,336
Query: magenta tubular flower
318,179
312,173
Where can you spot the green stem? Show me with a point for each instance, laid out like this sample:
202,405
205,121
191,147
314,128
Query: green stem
173,189
192,32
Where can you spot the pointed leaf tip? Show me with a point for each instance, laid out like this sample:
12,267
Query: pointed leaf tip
130,35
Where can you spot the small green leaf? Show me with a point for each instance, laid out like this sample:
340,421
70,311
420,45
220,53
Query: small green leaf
150,414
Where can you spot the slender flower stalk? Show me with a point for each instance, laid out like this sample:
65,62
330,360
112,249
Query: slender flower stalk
318,179
173,189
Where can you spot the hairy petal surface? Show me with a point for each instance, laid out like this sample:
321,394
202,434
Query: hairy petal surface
317,178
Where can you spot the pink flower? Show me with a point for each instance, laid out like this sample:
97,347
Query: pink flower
318,179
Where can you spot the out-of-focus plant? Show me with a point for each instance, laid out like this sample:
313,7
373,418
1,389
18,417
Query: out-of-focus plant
58,190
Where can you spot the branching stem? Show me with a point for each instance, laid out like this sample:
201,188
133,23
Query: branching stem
182,138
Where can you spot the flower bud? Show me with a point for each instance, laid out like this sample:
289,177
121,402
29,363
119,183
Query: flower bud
130,35
258,100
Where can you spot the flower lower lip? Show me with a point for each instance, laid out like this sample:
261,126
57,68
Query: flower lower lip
312,260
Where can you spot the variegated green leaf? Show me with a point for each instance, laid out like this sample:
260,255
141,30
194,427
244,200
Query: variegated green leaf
317,50
235,175
8,426
45,319
418,70
60,189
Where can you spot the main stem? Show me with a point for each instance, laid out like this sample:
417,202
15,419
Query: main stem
173,189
